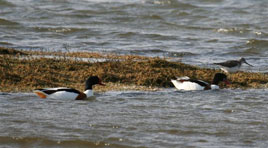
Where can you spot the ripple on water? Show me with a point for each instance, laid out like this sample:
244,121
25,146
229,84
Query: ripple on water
136,118
7,22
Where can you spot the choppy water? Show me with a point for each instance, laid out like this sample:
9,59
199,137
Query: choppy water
167,118
202,31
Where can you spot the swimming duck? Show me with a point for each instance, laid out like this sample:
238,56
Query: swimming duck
70,93
232,65
185,83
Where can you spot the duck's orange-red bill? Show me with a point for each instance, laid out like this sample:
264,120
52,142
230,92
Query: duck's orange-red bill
100,83
227,82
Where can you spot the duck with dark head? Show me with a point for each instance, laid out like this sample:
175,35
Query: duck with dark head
70,93
186,83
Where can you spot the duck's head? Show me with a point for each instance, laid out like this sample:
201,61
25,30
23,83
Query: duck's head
220,77
92,80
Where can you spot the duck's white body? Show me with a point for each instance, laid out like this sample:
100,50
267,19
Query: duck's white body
187,84
70,93
190,86
63,93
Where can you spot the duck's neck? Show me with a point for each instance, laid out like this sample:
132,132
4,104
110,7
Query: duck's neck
213,86
88,92
88,87
215,82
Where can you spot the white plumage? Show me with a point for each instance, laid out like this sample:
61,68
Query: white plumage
70,93
185,83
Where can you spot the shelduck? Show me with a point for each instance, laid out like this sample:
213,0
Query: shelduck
185,83
70,93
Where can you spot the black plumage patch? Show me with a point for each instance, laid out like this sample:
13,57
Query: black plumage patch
232,63
201,83
58,90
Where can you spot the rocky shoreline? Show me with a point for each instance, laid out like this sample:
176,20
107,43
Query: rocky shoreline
23,71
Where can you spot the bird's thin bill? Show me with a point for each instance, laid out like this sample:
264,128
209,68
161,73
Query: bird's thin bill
248,64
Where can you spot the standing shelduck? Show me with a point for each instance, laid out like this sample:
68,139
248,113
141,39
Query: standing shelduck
232,65
70,93
185,83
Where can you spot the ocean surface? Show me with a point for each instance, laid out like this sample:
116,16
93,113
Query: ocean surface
137,119
198,32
